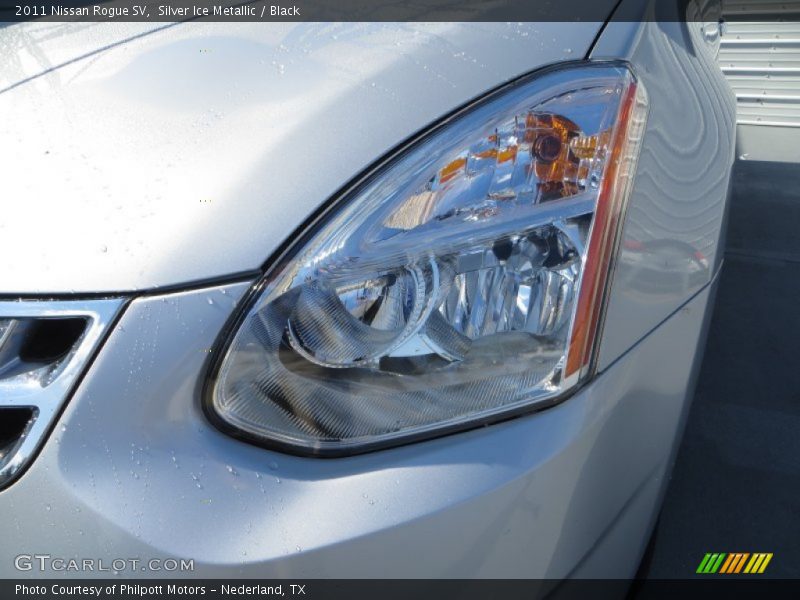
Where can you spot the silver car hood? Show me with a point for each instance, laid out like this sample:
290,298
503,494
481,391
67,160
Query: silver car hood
137,156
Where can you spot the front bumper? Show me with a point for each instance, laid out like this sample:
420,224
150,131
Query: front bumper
134,470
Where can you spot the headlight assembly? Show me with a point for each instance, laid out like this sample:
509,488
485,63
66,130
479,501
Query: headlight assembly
460,282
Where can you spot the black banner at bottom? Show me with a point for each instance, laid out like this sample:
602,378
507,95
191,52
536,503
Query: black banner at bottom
363,589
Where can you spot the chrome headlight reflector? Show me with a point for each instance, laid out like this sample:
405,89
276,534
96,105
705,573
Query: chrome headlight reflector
459,282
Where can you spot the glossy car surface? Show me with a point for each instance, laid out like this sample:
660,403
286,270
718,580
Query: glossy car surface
165,166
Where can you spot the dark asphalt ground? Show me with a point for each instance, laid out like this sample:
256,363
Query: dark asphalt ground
736,482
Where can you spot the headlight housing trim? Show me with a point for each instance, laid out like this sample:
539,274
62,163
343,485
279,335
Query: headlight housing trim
582,368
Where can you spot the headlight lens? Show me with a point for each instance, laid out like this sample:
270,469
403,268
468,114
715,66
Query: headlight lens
461,281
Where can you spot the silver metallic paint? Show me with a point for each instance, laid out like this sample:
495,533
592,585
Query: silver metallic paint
680,191
139,472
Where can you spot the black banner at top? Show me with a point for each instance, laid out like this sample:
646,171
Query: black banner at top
393,10
307,10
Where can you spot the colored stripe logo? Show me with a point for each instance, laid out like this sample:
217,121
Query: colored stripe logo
734,563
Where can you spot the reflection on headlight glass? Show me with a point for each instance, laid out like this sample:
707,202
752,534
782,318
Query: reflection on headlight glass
448,287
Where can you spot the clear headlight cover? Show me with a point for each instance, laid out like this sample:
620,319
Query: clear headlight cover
458,283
